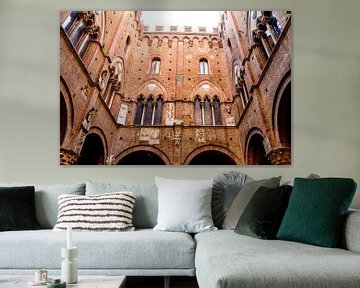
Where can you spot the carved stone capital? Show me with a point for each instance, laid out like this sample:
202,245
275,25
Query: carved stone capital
68,157
281,156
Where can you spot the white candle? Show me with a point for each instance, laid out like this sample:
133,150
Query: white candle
69,239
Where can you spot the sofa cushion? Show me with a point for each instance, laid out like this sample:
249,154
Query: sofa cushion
105,212
317,209
46,200
263,214
146,205
226,187
17,208
184,205
243,198
225,259
126,252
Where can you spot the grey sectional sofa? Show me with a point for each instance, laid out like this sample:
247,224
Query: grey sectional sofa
219,259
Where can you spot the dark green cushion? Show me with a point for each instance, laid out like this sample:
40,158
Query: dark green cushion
17,208
316,211
264,213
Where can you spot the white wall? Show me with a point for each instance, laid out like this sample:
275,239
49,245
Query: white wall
326,91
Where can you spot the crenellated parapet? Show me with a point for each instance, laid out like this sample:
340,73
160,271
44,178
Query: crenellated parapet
189,36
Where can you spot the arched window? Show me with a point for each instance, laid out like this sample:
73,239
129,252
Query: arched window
240,85
158,111
237,77
203,66
81,27
139,111
155,66
148,116
217,111
198,111
69,21
127,44
208,119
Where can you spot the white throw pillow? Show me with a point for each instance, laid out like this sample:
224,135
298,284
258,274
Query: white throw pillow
104,212
184,205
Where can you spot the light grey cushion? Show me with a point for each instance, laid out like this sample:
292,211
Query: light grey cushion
225,189
105,212
137,250
243,198
184,205
351,235
46,200
146,204
310,176
225,259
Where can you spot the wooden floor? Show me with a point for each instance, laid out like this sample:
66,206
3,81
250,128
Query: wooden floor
158,282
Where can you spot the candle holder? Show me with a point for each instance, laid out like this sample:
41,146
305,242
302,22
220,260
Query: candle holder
69,271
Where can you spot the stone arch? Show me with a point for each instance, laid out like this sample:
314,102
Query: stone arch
140,148
281,112
98,131
206,148
93,150
155,40
145,89
214,90
66,112
175,38
255,153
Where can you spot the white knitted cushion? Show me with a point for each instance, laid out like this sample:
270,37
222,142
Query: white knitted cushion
105,212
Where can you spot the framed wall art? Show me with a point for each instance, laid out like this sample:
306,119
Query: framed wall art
175,87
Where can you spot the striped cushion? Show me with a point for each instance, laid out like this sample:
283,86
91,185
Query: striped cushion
105,212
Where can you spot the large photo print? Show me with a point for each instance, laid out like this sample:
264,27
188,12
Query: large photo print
175,88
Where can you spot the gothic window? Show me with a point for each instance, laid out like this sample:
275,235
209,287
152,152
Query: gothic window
208,119
127,43
237,77
80,28
229,44
149,112
77,32
207,113
155,66
217,111
148,116
198,111
69,21
139,111
203,66
158,111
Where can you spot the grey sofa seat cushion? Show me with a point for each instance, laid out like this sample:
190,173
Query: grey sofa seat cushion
137,250
46,200
225,259
146,203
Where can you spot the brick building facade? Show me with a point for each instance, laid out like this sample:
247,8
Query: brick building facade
131,95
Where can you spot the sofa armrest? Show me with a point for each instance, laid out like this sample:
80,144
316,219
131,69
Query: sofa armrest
351,234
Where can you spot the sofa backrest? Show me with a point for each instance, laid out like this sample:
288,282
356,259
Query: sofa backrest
46,200
146,203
